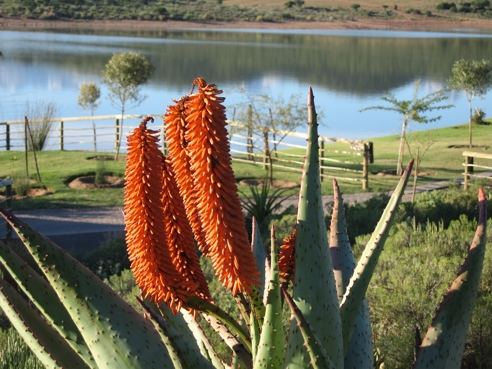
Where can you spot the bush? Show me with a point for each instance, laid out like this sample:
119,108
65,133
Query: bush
445,6
109,259
413,272
478,117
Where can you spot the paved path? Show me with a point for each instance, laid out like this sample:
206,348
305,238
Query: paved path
85,228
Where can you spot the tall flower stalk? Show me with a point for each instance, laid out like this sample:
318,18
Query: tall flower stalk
217,199
149,256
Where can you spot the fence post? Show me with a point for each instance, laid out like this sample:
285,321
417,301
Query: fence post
7,136
117,135
365,167
465,182
321,158
249,134
470,161
371,152
62,136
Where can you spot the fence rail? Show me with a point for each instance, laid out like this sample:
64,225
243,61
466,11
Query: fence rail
470,166
347,160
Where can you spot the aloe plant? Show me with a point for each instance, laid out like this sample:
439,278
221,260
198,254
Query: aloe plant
71,319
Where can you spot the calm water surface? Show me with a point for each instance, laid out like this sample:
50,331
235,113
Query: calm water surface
349,70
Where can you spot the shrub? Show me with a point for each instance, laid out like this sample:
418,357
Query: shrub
40,116
411,277
478,117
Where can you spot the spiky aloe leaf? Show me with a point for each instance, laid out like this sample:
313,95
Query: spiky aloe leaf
48,346
177,337
207,349
270,353
317,354
444,342
356,290
359,354
40,293
259,252
117,336
213,310
255,335
314,287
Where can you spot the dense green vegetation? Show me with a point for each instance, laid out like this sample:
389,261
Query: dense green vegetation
197,10
421,255
218,10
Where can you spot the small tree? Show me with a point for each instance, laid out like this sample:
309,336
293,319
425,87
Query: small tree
474,77
124,74
89,99
272,120
412,110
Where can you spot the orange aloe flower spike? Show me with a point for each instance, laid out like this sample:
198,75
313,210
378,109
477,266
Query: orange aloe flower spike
286,262
217,200
175,126
150,261
179,237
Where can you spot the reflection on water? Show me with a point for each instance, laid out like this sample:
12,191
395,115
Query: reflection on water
349,69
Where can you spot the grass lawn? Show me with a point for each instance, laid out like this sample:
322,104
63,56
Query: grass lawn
440,162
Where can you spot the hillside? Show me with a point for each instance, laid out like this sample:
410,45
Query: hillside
244,10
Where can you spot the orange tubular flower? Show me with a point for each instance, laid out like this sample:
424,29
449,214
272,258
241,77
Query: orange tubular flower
286,262
151,264
217,200
179,237
176,144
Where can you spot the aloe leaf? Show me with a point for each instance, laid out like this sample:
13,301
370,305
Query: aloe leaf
318,356
207,349
357,287
48,346
40,293
359,354
444,342
255,335
177,337
270,353
259,252
238,349
314,287
117,336
213,310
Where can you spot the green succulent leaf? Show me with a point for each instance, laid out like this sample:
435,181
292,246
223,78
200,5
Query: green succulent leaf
318,356
48,346
357,287
270,353
40,293
117,336
201,338
314,287
176,336
359,354
442,346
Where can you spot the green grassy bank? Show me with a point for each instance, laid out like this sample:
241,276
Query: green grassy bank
442,161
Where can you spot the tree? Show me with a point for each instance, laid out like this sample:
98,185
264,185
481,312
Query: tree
474,77
272,120
412,110
88,99
124,74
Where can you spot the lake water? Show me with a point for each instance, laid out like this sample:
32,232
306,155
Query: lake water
349,70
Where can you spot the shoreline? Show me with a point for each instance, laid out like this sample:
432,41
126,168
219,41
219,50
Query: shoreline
402,24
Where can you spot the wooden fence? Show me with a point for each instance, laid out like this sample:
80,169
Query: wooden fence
475,168
346,160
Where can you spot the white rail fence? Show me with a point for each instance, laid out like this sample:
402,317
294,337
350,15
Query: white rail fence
347,160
